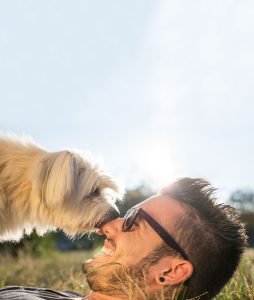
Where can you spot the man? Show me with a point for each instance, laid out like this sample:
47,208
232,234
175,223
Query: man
177,244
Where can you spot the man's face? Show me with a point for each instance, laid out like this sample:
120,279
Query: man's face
124,252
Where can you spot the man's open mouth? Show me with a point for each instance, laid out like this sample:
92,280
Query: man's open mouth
107,251
108,248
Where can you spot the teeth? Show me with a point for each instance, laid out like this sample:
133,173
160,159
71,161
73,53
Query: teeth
107,251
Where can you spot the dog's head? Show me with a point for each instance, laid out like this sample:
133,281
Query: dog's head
77,194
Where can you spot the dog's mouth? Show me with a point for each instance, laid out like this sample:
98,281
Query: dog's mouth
113,214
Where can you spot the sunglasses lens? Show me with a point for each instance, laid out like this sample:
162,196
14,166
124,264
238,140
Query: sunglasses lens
129,219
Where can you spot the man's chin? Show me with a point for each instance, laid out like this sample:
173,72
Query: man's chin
100,271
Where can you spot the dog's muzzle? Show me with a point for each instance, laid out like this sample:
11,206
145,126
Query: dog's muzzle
113,214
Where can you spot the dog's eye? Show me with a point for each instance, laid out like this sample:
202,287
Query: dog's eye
81,171
96,192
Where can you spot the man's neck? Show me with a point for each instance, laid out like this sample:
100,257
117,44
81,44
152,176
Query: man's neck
100,296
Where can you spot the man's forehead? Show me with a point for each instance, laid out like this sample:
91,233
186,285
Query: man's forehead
162,208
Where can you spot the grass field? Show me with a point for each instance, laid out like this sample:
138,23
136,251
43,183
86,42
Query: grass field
62,271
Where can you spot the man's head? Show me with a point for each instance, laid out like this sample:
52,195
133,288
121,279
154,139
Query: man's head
209,234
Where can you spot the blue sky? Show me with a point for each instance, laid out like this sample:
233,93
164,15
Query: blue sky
160,89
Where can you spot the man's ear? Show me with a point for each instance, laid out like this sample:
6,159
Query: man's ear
173,271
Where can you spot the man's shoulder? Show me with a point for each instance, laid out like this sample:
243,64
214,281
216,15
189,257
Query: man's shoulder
33,293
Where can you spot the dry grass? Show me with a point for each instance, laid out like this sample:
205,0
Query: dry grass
62,271
241,286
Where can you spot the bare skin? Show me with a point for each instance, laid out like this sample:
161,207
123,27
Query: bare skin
129,248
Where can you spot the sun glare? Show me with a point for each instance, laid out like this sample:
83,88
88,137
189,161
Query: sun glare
155,165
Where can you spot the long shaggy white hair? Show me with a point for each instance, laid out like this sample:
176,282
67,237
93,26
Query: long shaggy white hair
47,190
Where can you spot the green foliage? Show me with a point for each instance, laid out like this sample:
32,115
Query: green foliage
243,200
133,197
33,245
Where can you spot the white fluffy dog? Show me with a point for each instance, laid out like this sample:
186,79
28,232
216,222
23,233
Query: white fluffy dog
47,190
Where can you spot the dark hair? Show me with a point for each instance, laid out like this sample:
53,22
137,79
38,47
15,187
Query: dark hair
210,233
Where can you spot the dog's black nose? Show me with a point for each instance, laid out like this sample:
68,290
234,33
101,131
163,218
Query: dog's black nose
111,215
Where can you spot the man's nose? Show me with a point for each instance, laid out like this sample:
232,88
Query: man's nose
112,227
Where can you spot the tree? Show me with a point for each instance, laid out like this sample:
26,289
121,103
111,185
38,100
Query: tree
243,200
133,197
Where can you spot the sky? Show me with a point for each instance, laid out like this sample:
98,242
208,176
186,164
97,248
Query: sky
159,89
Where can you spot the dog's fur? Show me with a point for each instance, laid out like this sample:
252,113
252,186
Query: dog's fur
47,190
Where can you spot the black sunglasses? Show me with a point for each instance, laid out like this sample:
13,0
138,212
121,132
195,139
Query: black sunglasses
130,218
